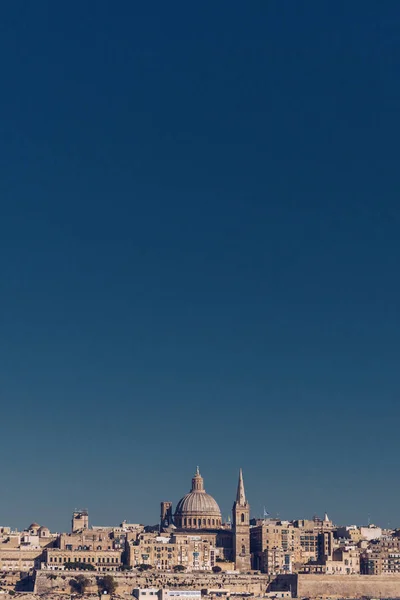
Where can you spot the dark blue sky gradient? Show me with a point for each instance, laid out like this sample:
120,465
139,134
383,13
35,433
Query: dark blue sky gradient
199,229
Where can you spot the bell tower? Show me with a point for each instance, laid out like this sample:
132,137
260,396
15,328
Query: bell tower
241,528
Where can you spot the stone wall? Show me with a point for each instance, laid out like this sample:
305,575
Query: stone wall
301,586
340,586
58,581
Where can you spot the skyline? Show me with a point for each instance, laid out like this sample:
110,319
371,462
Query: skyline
257,513
199,246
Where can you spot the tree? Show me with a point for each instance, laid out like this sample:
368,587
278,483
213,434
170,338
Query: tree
179,568
79,584
107,584
216,569
145,567
126,568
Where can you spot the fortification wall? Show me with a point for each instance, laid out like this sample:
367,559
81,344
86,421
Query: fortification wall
58,582
340,586
349,586
301,586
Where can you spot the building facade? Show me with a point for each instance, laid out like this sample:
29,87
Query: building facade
57,559
165,552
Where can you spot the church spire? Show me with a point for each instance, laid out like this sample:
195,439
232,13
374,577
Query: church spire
240,495
241,528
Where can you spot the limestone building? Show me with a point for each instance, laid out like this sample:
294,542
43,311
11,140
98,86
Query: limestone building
23,550
164,552
275,546
57,559
198,514
382,557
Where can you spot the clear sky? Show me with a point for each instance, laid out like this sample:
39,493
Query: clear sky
199,230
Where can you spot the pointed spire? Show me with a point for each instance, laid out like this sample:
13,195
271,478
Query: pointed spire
240,495
326,518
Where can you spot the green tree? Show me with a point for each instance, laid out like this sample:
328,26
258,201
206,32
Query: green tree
79,566
216,569
79,584
145,567
107,584
179,568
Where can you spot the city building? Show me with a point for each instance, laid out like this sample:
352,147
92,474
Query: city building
382,557
23,550
198,513
275,546
57,559
165,552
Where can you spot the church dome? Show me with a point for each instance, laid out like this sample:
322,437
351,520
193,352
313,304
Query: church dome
197,509
196,504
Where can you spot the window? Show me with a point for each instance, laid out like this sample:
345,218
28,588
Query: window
242,518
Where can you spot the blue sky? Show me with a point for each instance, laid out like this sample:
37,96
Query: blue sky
199,229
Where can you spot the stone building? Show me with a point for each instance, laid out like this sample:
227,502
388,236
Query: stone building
382,557
91,539
349,532
309,531
344,561
198,513
275,546
164,552
275,561
20,559
280,547
57,559
23,550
